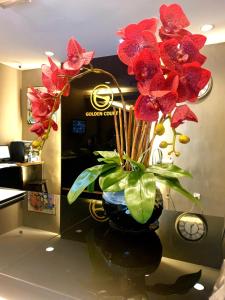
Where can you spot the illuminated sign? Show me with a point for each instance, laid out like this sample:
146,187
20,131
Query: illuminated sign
101,97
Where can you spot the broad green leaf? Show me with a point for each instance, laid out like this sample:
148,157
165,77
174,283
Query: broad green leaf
107,154
168,170
113,180
86,178
111,160
140,195
174,184
91,187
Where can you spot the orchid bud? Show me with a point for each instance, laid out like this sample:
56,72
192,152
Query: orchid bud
159,129
177,153
184,139
36,144
163,144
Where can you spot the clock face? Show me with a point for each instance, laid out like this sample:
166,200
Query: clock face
191,227
205,91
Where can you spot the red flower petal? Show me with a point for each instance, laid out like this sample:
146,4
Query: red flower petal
167,102
178,35
88,56
173,18
145,65
146,109
199,40
73,49
181,114
37,128
128,49
192,80
158,82
132,31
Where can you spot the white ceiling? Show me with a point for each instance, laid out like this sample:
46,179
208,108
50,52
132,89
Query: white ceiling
27,31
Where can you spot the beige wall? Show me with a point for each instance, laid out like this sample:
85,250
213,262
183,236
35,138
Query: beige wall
51,153
10,110
204,156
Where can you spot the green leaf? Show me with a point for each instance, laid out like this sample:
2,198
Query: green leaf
174,184
168,170
108,157
113,180
135,165
107,154
86,178
91,187
115,160
140,195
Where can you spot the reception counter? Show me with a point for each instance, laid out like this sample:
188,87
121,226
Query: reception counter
90,260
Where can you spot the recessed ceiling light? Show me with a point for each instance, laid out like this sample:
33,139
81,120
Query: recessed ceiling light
207,27
50,249
199,287
107,82
49,53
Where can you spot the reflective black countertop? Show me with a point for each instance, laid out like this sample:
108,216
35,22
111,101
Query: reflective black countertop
91,260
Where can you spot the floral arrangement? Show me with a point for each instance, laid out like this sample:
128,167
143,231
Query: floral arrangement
169,74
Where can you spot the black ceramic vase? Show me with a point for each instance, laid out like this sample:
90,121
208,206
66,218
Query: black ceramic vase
119,215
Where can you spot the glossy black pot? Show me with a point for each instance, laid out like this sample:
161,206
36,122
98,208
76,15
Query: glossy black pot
119,215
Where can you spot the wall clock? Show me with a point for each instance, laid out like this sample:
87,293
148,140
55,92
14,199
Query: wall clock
191,227
205,91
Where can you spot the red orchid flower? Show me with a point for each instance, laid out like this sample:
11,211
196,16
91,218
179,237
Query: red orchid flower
154,98
146,108
41,127
173,21
192,80
77,57
181,114
55,78
164,92
133,31
38,128
42,104
145,65
50,122
129,48
175,53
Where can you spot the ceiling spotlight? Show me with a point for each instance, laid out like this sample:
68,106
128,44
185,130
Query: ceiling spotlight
207,27
107,82
199,287
49,53
50,249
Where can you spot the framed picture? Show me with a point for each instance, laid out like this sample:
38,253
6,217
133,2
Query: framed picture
42,202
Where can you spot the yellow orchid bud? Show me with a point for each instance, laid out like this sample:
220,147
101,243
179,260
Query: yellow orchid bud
177,153
163,144
44,136
36,144
159,129
184,139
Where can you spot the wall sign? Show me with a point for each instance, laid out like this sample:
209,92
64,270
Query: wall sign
101,97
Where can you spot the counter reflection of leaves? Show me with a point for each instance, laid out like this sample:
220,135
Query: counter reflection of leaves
181,286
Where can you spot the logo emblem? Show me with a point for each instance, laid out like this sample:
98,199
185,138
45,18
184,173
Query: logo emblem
101,97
